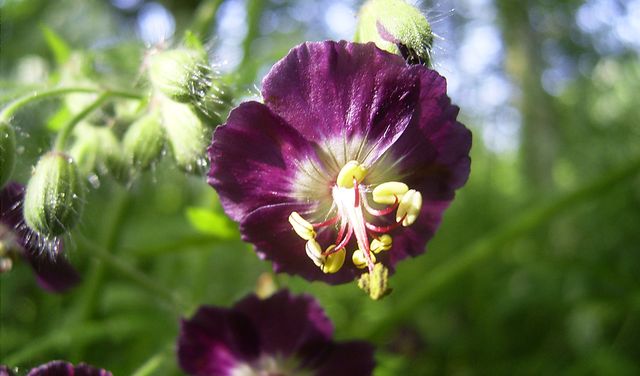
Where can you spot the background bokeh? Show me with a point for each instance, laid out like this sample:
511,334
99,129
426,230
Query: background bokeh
536,267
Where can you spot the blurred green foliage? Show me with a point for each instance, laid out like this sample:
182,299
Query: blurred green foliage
535,269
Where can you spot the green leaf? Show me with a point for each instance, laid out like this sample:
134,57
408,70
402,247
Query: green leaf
60,49
210,222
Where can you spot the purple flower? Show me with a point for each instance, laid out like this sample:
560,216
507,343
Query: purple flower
61,368
280,335
53,271
353,155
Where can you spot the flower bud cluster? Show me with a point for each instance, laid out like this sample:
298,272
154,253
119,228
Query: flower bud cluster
190,103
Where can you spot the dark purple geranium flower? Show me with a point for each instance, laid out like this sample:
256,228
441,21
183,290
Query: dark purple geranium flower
354,154
281,335
53,271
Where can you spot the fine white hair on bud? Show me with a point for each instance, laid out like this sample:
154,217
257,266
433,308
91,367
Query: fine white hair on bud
7,151
181,74
54,197
186,134
398,27
96,149
143,142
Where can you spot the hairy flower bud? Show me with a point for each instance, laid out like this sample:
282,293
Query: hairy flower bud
143,141
96,149
188,137
181,74
54,200
397,27
215,106
7,151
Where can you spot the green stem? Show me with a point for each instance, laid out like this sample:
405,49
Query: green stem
134,275
66,130
488,246
84,306
151,366
82,334
16,104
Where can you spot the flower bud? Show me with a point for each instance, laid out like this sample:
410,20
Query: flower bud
96,149
143,142
397,27
7,151
188,137
215,106
54,197
181,74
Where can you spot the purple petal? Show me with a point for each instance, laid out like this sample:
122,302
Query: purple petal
61,368
286,323
269,230
215,340
433,155
254,158
54,275
53,271
353,358
5,371
340,90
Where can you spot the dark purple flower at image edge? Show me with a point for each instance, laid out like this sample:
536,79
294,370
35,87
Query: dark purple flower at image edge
280,335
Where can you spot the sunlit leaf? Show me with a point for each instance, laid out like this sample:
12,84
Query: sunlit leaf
210,222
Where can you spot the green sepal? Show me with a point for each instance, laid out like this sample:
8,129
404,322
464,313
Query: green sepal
143,142
96,149
187,136
54,197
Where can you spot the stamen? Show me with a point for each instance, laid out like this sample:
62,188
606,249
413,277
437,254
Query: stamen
360,260
352,170
314,251
382,243
383,229
356,192
334,261
381,212
409,208
389,192
345,240
300,225
326,223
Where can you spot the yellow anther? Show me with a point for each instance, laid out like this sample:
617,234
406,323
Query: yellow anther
386,193
351,170
314,251
382,243
360,260
409,207
334,261
300,225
